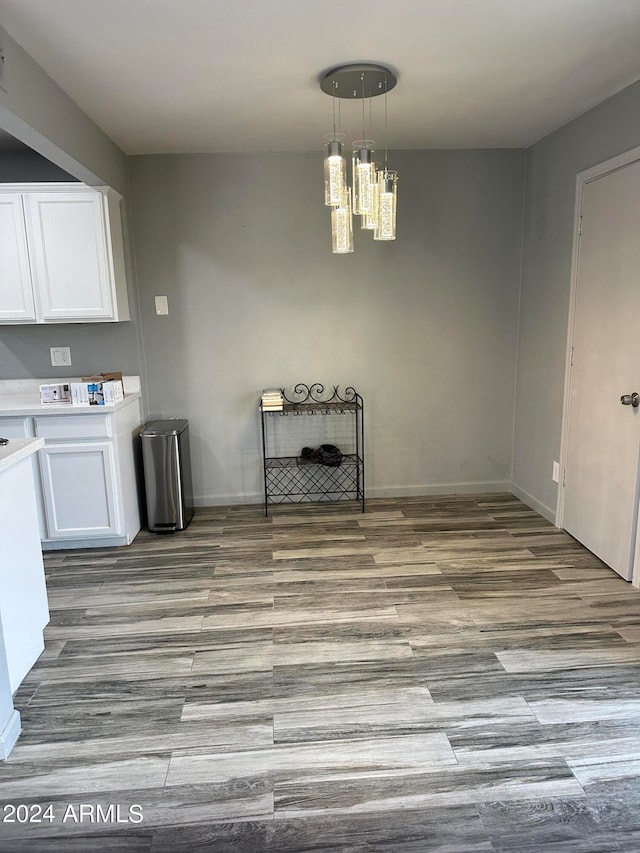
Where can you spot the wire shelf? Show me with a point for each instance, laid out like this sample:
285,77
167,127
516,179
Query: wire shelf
295,479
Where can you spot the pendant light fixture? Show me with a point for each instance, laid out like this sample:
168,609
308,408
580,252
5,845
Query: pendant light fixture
335,167
335,173
372,194
364,176
342,225
385,221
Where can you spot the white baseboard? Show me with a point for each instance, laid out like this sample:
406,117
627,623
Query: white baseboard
66,544
10,735
534,503
472,488
228,500
465,488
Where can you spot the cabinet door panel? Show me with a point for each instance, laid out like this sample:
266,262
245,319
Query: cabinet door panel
16,294
78,482
69,255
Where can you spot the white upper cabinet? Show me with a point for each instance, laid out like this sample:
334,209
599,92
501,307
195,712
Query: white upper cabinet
16,294
69,255
61,254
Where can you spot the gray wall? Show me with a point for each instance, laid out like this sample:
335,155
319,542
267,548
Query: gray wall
39,113
425,327
95,347
552,166
23,165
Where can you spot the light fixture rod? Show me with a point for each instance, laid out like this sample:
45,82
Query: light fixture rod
333,103
386,132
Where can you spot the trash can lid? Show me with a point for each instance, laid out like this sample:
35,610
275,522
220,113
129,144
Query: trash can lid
170,426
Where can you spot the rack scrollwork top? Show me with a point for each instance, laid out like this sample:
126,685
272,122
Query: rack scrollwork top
316,398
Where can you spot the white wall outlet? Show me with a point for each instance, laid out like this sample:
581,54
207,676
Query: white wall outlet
556,472
162,305
60,356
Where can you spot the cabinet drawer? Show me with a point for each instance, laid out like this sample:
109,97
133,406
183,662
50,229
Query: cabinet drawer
70,427
14,428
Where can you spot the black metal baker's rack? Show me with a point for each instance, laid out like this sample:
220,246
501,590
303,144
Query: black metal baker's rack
294,479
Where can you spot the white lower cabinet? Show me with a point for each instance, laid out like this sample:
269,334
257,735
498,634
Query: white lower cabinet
86,475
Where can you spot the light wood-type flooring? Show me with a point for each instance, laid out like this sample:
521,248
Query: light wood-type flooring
437,674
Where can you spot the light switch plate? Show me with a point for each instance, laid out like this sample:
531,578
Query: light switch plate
555,476
162,305
60,356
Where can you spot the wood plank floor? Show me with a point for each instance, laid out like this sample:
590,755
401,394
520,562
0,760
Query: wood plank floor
439,674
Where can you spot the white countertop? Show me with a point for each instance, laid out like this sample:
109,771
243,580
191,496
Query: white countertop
18,449
29,405
22,398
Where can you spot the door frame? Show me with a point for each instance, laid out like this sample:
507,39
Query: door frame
582,179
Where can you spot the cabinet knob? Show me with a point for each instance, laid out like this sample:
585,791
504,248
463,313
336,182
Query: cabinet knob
631,399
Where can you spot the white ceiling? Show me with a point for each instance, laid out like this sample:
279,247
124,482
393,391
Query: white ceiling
242,75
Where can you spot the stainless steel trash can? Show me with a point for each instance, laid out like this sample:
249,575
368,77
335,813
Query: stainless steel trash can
167,474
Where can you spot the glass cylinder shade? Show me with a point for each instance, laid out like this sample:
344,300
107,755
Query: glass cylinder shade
335,179
387,201
342,226
369,219
364,176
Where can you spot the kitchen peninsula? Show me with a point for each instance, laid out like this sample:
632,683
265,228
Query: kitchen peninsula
24,611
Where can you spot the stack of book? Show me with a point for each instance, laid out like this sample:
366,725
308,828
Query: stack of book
272,400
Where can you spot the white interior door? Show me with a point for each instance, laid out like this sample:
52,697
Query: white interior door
601,465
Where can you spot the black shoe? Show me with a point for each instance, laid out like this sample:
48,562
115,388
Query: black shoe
330,455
